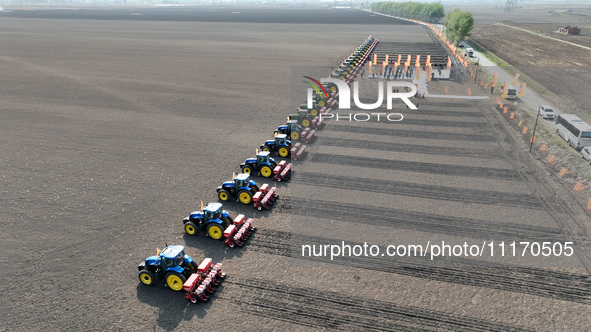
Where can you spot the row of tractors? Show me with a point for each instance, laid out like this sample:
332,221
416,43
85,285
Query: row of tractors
178,270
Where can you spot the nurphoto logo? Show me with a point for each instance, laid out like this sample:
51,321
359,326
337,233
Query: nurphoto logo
344,93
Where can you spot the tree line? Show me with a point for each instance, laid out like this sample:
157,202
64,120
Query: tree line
431,12
458,24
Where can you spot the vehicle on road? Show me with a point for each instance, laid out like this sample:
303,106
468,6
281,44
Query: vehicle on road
586,154
546,112
470,51
575,131
511,92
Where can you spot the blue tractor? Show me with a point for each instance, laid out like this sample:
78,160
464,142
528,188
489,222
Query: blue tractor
292,129
262,164
241,188
280,145
171,265
211,220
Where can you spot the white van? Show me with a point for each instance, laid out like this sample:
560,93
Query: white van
470,51
511,92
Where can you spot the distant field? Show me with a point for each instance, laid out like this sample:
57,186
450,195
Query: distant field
559,67
214,14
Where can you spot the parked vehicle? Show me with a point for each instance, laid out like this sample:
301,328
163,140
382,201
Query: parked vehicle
546,112
511,92
574,130
586,154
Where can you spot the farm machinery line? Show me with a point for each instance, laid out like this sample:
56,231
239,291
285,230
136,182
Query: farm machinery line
179,271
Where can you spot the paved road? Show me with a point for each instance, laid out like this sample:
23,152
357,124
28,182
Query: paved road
531,99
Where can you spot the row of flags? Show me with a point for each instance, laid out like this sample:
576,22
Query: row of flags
386,62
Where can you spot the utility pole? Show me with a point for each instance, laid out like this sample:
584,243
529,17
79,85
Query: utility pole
477,66
533,136
510,6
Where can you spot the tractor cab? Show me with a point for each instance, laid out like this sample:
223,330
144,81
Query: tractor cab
301,117
292,125
281,139
212,211
263,158
302,112
171,257
242,180
319,102
330,87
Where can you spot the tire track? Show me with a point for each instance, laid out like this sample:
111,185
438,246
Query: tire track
417,167
418,190
532,281
569,220
411,148
325,309
410,133
440,224
422,122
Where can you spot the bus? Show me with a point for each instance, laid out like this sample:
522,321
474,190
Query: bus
574,130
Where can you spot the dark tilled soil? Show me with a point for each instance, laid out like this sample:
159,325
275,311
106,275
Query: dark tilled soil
112,131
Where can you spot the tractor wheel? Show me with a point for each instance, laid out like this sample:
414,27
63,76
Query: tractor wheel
283,152
255,189
306,122
333,88
215,231
314,112
320,103
175,281
146,277
265,148
246,169
224,195
190,228
226,222
245,197
266,171
295,135
192,267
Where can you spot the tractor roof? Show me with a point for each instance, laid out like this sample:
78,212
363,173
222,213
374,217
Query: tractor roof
281,136
213,207
171,251
293,121
243,176
263,153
